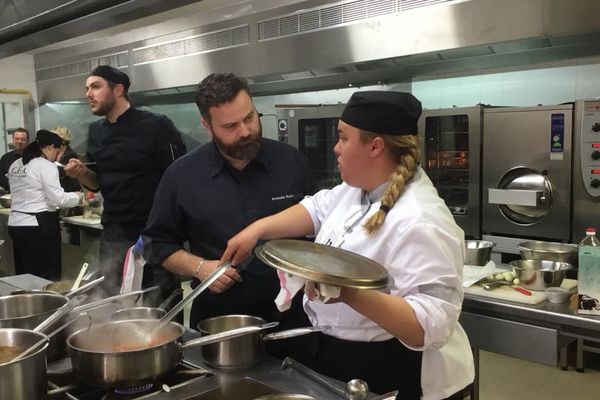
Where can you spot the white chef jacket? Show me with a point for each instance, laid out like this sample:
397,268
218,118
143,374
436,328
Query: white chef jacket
35,188
422,249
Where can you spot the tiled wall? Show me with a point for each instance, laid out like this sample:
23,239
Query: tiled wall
551,85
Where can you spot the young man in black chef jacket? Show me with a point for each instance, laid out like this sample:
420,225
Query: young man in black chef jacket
219,188
131,149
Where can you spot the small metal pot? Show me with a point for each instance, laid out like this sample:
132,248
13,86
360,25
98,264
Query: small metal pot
147,312
62,287
243,351
26,378
27,311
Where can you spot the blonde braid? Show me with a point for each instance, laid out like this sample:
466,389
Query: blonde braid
406,150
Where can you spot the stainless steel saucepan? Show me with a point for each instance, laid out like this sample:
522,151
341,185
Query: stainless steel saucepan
27,311
108,355
243,351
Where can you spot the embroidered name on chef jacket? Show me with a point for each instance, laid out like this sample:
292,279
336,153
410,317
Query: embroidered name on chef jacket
18,171
284,197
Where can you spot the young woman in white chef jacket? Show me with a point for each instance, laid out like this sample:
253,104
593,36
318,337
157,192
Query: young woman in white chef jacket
407,337
33,223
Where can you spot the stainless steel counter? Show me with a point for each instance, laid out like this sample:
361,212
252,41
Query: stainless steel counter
25,281
539,332
543,314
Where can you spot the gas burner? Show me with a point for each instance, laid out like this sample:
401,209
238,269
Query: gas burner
133,390
61,386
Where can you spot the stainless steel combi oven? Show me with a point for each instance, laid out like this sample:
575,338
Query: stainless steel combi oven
541,173
313,130
451,156
451,140
527,173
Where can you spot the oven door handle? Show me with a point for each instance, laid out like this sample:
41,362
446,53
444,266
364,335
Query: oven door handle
515,197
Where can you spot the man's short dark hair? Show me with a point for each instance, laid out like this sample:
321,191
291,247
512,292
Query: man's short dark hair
22,130
217,89
114,77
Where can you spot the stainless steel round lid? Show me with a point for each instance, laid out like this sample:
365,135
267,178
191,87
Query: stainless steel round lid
323,264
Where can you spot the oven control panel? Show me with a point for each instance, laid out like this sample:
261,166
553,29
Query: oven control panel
590,148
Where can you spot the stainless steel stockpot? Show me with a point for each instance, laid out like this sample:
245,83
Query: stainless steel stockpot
25,379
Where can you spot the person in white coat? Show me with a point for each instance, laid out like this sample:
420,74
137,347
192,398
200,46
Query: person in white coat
33,223
406,337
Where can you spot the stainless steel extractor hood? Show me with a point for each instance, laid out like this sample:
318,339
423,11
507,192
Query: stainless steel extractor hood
29,24
322,44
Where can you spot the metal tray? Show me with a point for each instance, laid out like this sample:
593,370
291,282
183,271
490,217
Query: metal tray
323,264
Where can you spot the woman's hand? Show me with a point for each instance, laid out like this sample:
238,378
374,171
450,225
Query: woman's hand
241,245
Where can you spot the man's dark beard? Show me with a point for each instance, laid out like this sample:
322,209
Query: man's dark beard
245,150
105,108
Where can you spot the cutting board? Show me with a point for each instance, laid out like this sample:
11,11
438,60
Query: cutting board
510,294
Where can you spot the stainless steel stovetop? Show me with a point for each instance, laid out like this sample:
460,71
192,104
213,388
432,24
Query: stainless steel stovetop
62,384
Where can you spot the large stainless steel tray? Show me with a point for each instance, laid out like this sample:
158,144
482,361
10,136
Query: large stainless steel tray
323,264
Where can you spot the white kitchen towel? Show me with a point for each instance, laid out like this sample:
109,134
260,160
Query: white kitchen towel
291,284
133,268
474,273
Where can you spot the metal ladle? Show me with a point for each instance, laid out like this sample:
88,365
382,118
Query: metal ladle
187,299
356,389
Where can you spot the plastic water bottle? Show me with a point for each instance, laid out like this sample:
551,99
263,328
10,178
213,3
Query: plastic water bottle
590,238
589,274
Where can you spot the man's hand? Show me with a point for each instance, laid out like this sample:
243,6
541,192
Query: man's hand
78,170
224,282
75,169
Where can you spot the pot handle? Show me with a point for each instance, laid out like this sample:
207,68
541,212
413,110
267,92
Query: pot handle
218,337
85,287
288,333
230,334
31,349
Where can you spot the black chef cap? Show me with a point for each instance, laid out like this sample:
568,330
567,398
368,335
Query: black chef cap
112,74
383,112
44,138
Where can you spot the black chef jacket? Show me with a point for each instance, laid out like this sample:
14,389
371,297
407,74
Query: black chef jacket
131,156
5,162
203,201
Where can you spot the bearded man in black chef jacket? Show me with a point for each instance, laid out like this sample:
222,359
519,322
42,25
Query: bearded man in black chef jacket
219,188
131,149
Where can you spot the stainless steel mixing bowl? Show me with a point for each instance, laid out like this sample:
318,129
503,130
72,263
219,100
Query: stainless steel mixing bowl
538,250
540,274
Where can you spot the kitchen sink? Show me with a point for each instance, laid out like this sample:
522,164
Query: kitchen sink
241,389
